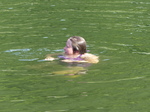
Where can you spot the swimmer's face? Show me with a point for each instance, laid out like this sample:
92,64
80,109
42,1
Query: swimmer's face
68,48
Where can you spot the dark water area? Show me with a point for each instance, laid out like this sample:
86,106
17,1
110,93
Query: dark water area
116,31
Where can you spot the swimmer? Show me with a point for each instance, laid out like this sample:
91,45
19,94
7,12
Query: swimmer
75,51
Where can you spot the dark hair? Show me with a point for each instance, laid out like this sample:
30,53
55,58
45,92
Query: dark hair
78,44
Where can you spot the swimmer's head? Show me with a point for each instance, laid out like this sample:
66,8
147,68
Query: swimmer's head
75,44
78,44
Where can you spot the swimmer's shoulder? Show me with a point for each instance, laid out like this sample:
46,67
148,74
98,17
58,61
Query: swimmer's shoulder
90,58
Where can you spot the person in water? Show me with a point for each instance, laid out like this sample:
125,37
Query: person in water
75,51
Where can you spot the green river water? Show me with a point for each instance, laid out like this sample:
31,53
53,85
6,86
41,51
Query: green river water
118,31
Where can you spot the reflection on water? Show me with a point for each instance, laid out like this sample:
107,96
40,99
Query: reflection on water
72,68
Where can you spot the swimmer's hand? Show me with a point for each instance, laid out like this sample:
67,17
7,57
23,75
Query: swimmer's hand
50,58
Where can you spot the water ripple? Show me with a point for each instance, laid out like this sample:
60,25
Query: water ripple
146,53
28,59
125,79
13,50
119,44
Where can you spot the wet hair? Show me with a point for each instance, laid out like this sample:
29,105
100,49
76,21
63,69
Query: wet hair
78,44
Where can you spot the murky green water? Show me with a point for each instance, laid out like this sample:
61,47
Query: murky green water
117,31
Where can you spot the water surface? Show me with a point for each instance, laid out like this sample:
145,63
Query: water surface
117,31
